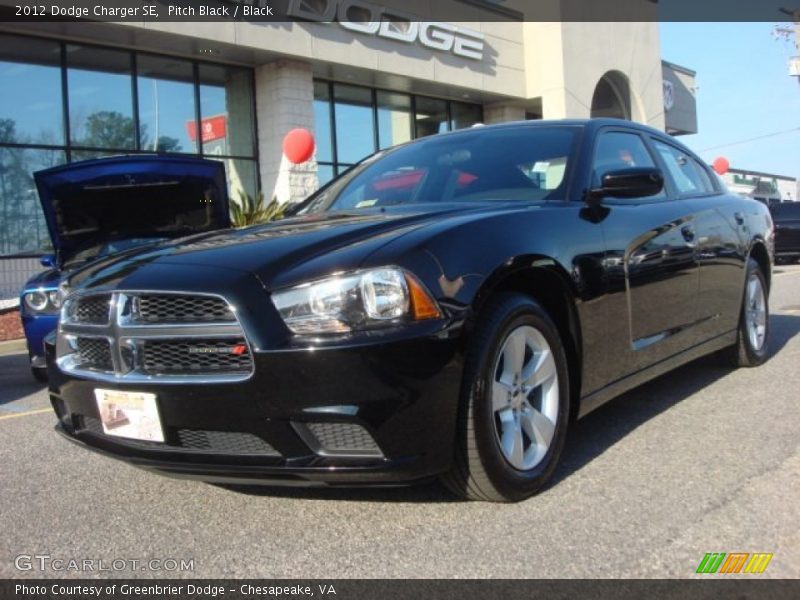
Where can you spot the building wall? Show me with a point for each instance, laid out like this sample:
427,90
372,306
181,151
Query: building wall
584,53
548,70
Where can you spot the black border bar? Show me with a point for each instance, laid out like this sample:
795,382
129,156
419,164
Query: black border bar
743,587
452,11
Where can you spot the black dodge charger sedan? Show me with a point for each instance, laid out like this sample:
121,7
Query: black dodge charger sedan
443,309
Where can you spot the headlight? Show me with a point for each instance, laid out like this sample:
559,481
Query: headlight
43,301
349,302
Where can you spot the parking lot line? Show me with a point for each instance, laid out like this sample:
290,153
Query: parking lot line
28,413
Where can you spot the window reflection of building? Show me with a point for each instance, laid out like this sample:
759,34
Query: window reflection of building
118,102
351,122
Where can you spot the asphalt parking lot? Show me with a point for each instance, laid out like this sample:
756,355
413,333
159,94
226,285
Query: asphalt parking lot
704,459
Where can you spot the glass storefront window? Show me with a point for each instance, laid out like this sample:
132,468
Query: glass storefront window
242,177
226,106
355,127
400,118
324,174
431,116
31,111
166,104
463,115
104,119
100,98
394,119
22,226
322,122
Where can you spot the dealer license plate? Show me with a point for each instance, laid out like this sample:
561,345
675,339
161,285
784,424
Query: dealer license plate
132,415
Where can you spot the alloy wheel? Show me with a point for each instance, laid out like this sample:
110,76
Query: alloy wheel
525,397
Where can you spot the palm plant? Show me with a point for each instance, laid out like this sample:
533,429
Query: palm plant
249,210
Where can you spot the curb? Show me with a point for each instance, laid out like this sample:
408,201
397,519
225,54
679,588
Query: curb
12,347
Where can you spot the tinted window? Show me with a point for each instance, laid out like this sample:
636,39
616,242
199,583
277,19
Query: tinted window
322,122
30,107
355,129
166,105
226,110
506,164
394,119
686,173
100,99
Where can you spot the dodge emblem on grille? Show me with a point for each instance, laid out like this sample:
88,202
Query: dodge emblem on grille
236,350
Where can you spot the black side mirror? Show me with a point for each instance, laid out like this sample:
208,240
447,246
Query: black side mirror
636,182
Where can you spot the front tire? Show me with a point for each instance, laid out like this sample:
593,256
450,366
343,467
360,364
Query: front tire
752,339
515,403
39,374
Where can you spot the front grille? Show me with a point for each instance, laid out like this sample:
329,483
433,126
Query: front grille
343,437
95,353
198,440
91,310
169,308
227,442
175,337
195,356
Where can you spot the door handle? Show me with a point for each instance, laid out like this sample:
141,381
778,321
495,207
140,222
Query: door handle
687,233
739,218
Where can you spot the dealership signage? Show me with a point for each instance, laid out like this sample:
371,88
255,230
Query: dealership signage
212,129
383,22
669,94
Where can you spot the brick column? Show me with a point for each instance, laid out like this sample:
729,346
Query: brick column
284,101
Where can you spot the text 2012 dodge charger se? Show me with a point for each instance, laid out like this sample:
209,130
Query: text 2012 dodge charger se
444,308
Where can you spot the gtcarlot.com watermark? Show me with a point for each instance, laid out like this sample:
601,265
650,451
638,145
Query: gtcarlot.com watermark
60,564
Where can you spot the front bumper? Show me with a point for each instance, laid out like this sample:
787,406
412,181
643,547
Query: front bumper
386,412
36,328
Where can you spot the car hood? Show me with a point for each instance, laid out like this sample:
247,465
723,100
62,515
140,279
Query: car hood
91,203
287,251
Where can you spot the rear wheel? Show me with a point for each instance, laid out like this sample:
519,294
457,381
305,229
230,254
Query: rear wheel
515,404
752,340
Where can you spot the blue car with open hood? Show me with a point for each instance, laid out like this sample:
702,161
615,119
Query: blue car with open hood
100,207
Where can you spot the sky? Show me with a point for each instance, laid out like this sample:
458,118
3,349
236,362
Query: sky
744,92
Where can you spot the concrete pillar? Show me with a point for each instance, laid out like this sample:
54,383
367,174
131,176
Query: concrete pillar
284,101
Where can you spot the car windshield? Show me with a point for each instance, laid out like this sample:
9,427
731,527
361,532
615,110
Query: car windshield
505,164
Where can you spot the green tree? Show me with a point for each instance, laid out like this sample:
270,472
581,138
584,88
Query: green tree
109,129
165,143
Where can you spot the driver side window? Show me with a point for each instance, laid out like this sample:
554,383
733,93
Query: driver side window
616,151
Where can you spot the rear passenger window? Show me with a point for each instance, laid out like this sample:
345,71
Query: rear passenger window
687,174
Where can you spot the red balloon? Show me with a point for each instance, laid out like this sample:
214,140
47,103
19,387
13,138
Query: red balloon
721,165
298,145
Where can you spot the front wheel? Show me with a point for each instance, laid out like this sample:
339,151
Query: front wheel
752,340
39,374
515,403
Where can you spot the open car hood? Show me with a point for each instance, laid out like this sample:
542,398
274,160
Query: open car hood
135,198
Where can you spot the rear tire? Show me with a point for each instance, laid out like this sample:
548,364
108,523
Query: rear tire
514,406
752,336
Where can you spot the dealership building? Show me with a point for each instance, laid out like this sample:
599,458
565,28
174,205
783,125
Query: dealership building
360,76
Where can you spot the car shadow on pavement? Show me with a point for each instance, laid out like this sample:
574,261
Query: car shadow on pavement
588,438
601,429
16,381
